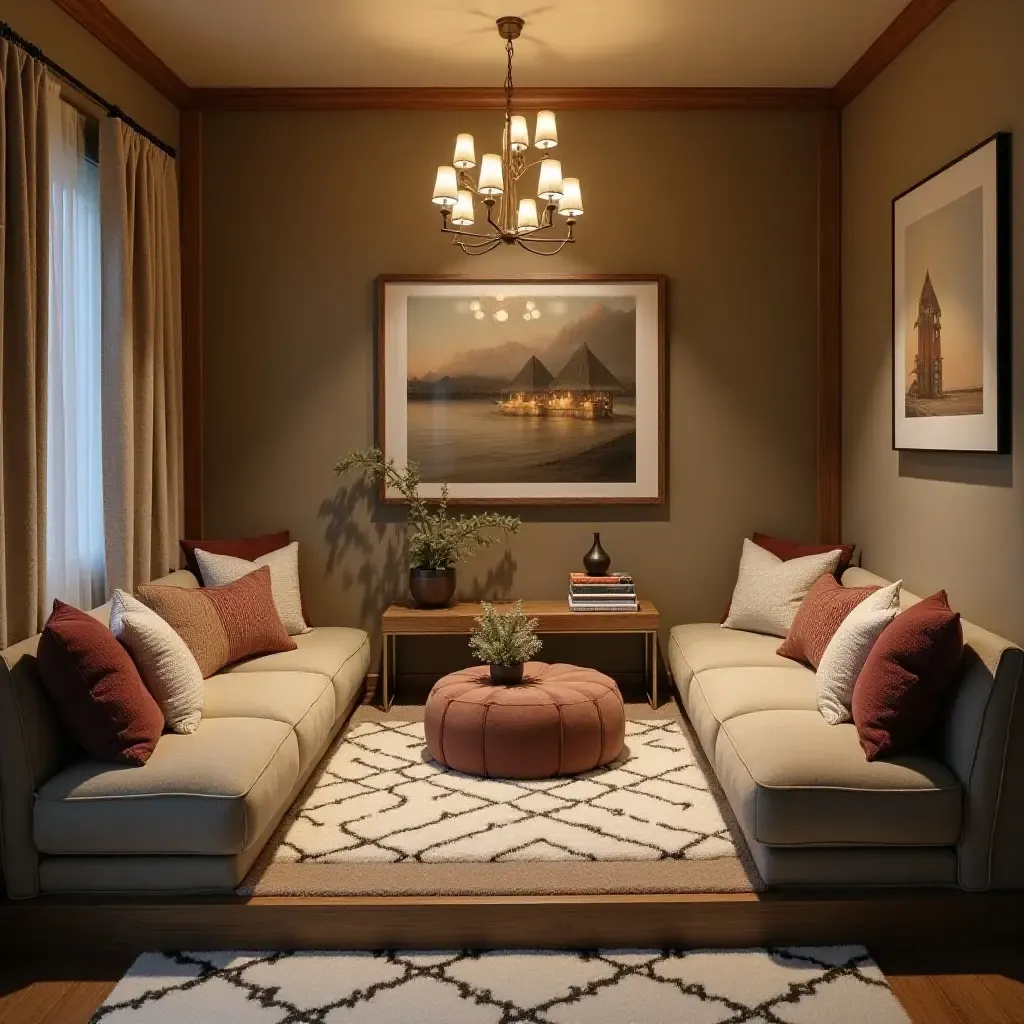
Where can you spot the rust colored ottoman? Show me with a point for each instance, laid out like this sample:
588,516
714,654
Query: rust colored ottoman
560,720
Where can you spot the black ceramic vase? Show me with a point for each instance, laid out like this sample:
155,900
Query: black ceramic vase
507,675
432,588
596,561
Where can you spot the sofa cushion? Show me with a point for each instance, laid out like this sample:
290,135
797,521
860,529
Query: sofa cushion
719,694
303,700
795,780
703,645
209,792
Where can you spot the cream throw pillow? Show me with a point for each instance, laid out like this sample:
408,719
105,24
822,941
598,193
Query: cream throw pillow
849,649
168,668
220,570
769,591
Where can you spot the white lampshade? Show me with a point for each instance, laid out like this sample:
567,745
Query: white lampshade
462,215
571,203
518,133
527,219
465,154
550,185
490,182
446,187
546,136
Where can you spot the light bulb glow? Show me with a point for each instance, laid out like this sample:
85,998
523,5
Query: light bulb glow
526,221
550,185
490,182
546,135
518,133
571,203
501,315
475,305
462,214
479,314
465,153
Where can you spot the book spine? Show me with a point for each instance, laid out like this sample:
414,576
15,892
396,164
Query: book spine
602,592
579,577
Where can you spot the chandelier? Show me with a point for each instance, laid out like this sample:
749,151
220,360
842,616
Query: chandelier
509,219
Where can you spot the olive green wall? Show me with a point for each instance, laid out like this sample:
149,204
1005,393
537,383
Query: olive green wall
303,211
63,40
937,520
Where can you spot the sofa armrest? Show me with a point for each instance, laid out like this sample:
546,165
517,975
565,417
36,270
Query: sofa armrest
33,748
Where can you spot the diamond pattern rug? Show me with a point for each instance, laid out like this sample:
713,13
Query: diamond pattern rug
382,799
839,984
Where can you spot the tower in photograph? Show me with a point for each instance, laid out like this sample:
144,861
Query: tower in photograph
928,361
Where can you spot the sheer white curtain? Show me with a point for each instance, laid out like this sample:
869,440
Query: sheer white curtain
75,555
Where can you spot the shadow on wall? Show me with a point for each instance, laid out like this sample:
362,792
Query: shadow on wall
958,467
495,585
354,521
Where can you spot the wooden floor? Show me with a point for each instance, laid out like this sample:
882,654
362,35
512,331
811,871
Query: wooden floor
977,987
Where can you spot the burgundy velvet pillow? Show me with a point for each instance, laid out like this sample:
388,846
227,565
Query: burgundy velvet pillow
906,680
823,609
97,690
249,548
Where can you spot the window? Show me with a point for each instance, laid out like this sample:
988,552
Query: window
75,559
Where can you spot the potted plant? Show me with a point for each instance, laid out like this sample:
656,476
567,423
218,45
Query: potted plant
505,642
437,541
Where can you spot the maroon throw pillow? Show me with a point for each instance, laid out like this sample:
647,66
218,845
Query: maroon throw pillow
819,616
789,549
97,690
907,678
249,548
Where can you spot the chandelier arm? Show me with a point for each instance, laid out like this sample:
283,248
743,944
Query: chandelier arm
470,234
490,219
478,250
562,243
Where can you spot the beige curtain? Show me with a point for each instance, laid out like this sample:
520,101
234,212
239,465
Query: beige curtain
141,365
24,296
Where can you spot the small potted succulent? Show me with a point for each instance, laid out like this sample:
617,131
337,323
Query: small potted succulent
505,642
437,541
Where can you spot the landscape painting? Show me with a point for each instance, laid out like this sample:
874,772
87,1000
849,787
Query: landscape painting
950,330
522,391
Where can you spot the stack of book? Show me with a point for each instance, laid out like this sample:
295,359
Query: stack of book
613,593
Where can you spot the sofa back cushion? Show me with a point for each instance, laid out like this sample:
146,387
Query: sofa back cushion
96,688
249,548
221,625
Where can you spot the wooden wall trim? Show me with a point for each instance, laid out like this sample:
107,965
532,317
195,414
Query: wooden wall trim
99,21
191,170
902,31
829,390
287,99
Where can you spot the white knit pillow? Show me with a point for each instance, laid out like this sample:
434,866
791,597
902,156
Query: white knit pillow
220,570
769,591
849,649
168,668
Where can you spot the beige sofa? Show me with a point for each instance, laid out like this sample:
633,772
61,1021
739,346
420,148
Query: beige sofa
814,811
196,816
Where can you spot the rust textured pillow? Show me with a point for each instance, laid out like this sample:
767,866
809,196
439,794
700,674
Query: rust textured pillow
222,625
819,616
907,678
249,548
97,690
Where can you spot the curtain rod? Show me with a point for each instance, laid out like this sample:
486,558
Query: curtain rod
8,33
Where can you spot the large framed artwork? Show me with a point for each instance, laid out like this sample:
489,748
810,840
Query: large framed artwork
951,306
525,390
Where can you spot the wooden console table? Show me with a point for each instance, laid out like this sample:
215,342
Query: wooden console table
407,620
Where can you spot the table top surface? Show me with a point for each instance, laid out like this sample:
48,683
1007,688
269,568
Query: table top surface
554,615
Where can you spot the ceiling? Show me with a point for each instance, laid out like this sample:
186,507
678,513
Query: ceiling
769,43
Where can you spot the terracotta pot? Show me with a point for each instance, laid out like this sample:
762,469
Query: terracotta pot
432,588
507,675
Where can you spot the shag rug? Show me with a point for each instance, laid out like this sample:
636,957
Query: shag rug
838,984
380,802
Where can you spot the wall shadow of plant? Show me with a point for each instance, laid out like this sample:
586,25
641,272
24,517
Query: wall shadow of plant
365,545
495,584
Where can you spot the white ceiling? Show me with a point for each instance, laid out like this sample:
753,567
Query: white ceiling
454,42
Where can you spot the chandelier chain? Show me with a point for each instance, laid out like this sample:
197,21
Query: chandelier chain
508,82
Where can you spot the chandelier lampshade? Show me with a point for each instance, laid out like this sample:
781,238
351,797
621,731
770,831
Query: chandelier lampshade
508,217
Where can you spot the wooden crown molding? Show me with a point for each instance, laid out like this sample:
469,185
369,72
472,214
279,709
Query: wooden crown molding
902,31
99,21
420,98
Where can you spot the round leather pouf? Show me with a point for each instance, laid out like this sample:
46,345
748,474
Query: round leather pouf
560,720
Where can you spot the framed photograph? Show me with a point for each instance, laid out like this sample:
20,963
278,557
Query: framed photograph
525,390
951,306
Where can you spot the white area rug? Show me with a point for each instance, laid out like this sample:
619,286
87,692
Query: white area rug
381,798
838,984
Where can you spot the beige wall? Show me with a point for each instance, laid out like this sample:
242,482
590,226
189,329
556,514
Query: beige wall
303,211
938,520
63,40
